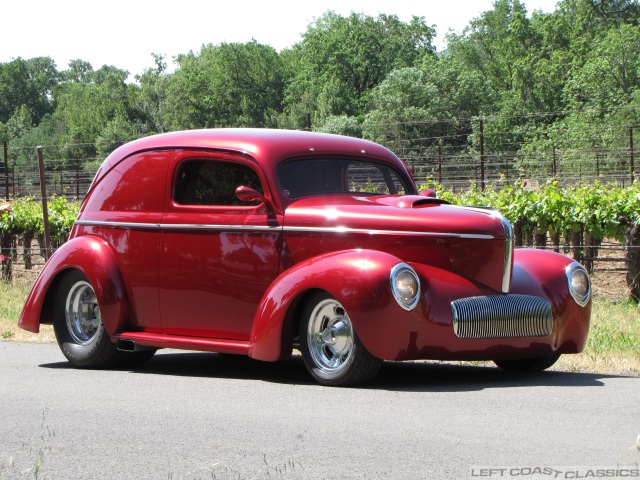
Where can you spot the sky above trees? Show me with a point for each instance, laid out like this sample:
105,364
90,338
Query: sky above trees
125,33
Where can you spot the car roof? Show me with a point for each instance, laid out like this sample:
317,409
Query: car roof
267,146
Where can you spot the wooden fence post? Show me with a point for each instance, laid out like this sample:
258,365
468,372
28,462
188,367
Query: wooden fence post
45,208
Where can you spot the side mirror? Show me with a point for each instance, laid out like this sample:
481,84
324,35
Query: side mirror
429,193
247,194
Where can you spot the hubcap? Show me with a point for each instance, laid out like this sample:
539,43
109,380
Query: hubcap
330,337
82,313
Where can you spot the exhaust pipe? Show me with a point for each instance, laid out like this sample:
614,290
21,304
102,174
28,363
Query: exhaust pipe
126,345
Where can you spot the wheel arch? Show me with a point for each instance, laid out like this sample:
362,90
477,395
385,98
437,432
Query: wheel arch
278,316
95,259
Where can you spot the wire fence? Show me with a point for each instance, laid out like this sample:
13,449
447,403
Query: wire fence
433,160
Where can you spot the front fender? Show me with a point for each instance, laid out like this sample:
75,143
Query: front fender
542,273
358,279
95,259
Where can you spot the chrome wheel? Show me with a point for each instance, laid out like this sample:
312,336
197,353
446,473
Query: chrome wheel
80,331
82,313
331,349
330,337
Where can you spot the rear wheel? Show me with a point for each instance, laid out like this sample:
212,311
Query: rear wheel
331,350
528,364
78,326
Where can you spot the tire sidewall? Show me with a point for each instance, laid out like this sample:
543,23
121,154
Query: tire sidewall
352,372
89,355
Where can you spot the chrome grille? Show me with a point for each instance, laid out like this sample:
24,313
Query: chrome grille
502,316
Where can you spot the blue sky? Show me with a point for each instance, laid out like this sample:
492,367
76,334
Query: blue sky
125,33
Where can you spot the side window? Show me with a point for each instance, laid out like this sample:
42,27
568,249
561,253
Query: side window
213,182
371,178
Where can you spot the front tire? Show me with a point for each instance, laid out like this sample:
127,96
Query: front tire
79,330
528,364
331,349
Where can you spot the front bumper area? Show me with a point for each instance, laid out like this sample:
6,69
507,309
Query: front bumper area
502,316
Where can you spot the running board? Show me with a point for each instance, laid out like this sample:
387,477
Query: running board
131,341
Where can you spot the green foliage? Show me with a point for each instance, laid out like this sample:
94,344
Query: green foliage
340,60
26,217
231,84
568,80
601,211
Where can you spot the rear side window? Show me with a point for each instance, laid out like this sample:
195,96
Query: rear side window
326,176
213,182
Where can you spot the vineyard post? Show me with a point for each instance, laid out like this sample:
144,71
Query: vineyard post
77,179
631,153
45,209
440,164
481,155
6,170
506,167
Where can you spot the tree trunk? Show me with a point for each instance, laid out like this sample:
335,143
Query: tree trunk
5,254
555,238
576,241
541,238
632,254
591,251
26,252
528,232
517,233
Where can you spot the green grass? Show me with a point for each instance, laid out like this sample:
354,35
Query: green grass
12,299
613,345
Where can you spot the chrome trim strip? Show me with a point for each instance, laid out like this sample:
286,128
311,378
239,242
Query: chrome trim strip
172,226
508,243
387,232
180,226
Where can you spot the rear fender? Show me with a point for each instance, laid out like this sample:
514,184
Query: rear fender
358,279
96,260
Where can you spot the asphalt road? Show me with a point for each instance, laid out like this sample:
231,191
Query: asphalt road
195,415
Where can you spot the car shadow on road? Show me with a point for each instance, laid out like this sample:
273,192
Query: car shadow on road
417,376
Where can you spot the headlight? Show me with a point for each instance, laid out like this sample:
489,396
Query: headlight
579,283
405,286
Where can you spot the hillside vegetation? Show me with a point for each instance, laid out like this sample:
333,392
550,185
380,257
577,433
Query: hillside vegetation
566,79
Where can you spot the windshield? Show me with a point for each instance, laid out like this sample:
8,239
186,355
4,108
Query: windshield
322,176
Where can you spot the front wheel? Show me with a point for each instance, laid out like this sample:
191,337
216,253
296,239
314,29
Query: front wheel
78,326
331,350
528,364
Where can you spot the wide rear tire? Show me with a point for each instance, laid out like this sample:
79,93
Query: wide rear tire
79,330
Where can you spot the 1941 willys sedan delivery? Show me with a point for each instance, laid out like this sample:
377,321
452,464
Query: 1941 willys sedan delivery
256,242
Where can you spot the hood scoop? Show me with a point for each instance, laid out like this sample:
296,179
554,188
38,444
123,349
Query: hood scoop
408,201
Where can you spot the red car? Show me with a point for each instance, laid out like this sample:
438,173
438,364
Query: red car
256,242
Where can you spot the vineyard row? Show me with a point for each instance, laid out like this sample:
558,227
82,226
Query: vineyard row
580,217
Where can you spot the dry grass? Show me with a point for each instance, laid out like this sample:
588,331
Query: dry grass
12,298
614,340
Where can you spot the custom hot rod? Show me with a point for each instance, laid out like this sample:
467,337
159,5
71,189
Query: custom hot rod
256,242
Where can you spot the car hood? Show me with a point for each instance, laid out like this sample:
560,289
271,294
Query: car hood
402,214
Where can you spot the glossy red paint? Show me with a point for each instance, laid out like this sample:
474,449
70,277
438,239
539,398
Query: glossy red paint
95,258
235,275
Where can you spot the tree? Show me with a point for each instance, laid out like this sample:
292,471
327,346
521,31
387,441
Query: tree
341,59
231,84
27,82
86,108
